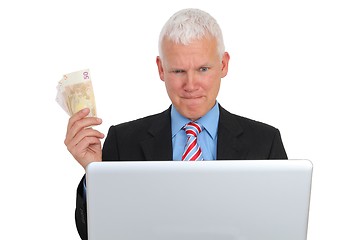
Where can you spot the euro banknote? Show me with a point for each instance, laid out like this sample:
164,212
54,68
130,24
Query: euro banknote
75,92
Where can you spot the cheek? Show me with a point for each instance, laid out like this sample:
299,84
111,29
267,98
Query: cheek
212,84
214,89
172,86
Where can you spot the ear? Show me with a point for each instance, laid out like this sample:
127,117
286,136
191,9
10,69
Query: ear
160,68
225,64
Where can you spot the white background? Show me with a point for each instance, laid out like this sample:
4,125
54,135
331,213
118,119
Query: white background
294,65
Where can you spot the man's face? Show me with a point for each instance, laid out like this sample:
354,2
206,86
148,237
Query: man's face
192,74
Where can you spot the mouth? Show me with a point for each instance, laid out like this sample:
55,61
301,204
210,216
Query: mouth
190,98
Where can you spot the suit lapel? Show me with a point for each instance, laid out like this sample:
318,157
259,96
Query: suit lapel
229,144
158,146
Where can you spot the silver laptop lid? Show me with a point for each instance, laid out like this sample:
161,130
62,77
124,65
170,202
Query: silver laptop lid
205,200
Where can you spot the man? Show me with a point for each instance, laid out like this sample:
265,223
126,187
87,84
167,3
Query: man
191,62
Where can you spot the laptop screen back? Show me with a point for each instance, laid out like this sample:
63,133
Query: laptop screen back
205,200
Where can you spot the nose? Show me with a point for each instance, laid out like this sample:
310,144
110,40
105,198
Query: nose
191,81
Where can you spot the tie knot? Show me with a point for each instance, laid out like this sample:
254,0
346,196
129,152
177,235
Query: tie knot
193,129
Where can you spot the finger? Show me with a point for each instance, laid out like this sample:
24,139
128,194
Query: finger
88,149
77,116
88,146
89,142
81,124
88,132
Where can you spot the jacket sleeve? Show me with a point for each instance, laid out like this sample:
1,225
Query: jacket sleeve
80,211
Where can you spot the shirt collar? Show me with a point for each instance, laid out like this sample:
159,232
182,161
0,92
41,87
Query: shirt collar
210,121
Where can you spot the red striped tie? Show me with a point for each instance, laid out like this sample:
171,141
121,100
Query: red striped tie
192,150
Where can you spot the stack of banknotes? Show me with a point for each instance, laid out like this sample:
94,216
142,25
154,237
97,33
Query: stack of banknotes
75,92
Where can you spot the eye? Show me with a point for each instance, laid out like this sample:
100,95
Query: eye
177,71
204,69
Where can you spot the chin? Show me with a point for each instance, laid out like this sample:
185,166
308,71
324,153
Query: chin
192,109
194,113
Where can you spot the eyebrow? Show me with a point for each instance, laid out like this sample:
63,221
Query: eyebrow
208,65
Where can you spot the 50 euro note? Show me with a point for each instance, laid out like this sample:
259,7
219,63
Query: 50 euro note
75,92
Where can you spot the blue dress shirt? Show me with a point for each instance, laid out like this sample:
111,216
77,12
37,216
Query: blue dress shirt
207,139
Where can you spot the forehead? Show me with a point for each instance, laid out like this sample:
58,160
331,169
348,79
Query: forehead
204,49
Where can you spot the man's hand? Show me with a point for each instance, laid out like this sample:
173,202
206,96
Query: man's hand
82,141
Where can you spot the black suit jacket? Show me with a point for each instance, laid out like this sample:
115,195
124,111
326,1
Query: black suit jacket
149,139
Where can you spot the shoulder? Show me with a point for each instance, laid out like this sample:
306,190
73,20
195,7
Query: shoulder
254,139
245,124
142,124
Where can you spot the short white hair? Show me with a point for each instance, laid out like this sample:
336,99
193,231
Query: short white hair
191,24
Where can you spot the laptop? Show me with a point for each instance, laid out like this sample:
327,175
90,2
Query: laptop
202,200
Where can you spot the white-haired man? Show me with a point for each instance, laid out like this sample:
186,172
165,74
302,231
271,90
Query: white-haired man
191,62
